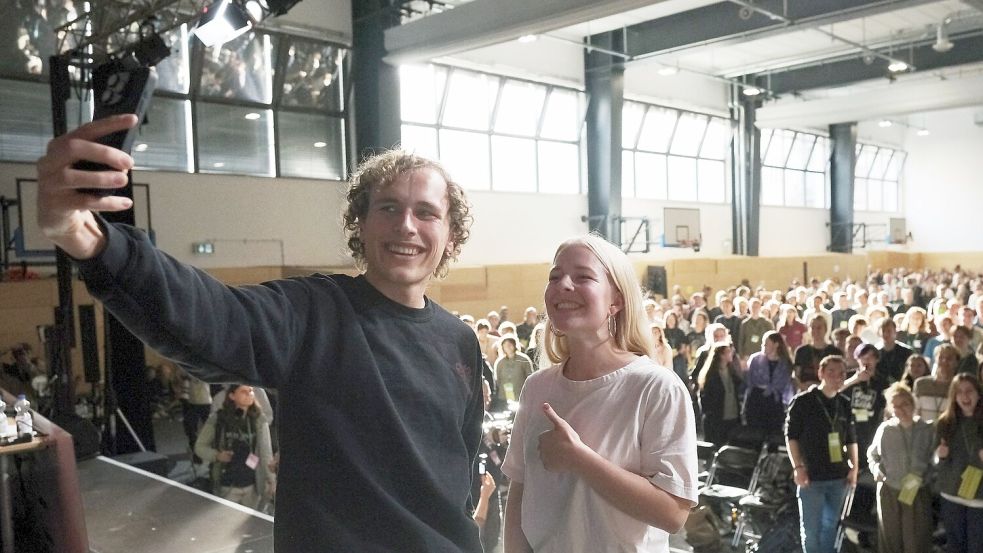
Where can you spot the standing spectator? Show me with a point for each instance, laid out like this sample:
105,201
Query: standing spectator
729,319
943,324
535,350
966,316
820,437
961,337
236,441
697,332
898,458
914,330
769,385
808,356
892,354
494,319
790,327
662,351
719,394
915,367
959,433
196,402
511,369
717,310
524,330
816,308
932,391
673,333
752,329
865,389
603,449
840,316
487,473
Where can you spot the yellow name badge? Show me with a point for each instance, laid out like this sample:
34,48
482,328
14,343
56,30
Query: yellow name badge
909,488
755,339
861,415
970,482
509,391
835,448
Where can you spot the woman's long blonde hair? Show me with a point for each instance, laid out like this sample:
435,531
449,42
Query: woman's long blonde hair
632,332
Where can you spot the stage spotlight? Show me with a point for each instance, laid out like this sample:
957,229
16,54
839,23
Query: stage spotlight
221,22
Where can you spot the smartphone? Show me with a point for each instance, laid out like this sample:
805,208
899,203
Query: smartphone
119,88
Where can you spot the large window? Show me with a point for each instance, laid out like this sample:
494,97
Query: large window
877,179
673,155
794,172
793,169
265,104
493,132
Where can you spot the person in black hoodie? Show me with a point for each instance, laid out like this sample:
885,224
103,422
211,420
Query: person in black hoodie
375,380
719,387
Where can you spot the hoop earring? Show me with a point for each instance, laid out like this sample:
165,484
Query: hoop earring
555,332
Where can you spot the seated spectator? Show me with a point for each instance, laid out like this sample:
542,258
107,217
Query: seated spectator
769,385
236,441
961,337
857,325
899,457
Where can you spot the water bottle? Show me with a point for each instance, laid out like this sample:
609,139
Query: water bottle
4,426
25,422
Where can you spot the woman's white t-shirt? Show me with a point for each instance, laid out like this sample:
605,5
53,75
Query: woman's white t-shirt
640,418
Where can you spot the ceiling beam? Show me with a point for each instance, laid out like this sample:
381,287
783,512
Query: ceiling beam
728,23
486,22
968,49
870,105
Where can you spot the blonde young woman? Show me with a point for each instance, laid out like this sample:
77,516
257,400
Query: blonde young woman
603,450
662,352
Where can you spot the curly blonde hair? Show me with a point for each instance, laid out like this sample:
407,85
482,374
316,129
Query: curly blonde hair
381,170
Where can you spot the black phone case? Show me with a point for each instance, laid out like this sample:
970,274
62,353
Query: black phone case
118,90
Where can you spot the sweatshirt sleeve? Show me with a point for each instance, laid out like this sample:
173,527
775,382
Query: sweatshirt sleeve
245,334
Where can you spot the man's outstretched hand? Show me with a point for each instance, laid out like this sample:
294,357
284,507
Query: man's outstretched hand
65,215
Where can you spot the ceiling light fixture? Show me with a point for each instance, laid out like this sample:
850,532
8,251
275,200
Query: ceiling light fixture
897,66
923,132
942,42
885,123
140,147
320,144
751,90
526,39
667,70
252,116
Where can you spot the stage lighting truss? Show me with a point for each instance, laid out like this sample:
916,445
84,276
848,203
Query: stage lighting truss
112,28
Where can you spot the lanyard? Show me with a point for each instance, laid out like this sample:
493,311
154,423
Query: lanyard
908,445
836,412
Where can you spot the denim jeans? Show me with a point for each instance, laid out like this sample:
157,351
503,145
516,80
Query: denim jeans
820,505
963,527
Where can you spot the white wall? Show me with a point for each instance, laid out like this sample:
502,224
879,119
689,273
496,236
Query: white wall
788,231
943,185
253,221
715,225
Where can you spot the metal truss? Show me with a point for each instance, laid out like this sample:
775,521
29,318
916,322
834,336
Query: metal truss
112,27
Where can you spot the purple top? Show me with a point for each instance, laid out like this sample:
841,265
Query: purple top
775,384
